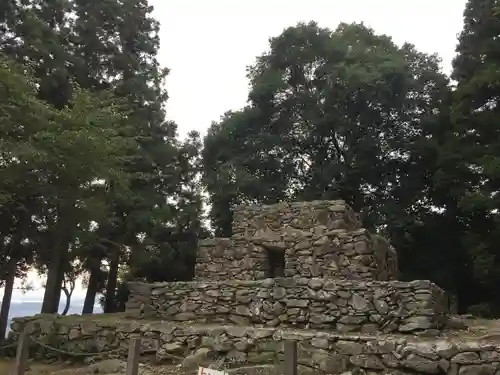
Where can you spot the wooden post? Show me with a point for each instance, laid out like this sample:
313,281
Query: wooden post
290,364
21,354
134,351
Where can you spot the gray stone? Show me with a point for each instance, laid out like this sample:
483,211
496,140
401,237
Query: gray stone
297,303
241,346
381,306
243,311
445,349
173,347
330,363
366,361
279,292
319,342
466,358
490,356
349,347
316,283
416,323
359,303
237,331
485,369
421,365
197,358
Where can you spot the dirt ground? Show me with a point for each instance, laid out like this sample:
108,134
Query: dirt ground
117,367
109,367
6,366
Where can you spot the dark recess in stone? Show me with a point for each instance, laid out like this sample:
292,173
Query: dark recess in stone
276,260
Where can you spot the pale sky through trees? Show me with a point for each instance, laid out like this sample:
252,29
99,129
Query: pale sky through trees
207,45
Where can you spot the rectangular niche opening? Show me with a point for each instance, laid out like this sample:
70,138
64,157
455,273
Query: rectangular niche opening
275,263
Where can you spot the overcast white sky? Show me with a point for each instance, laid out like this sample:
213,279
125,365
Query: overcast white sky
207,44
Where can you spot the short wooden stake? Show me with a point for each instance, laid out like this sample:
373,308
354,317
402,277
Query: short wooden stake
290,364
134,351
21,354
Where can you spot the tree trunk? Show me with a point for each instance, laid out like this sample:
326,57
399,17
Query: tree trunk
68,294
50,295
92,289
55,275
60,281
7,298
110,302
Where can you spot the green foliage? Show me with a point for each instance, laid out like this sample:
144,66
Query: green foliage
50,156
332,115
473,143
111,172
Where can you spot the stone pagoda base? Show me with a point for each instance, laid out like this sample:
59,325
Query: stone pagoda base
319,303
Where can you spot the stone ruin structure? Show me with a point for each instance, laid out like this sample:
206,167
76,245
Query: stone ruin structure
313,239
304,264
305,271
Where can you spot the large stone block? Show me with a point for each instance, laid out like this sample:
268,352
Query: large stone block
335,304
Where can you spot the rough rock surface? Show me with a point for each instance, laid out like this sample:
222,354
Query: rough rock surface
341,305
319,238
354,254
331,353
248,219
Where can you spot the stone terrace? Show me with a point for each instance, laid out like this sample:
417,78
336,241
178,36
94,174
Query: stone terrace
339,305
472,353
306,265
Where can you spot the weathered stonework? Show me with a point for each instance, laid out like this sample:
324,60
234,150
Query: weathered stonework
339,305
326,352
304,271
313,239
333,275
229,259
249,219
338,253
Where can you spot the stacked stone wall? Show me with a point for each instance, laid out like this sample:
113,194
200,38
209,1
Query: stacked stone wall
235,258
248,219
341,305
322,352
387,258
318,252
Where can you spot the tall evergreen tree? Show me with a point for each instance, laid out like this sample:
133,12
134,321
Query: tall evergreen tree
332,115
98,46
471,151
